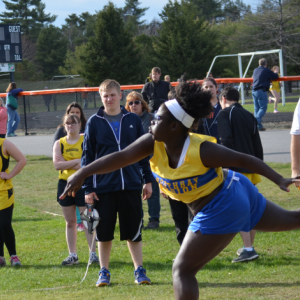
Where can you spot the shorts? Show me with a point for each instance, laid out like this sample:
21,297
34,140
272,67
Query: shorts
237,207
128,206
78,200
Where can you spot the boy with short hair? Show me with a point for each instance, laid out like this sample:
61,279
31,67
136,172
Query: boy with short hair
238,131
112,129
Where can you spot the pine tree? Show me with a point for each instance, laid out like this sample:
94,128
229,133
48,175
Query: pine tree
111,52
132,14
51,50
28,13
185,44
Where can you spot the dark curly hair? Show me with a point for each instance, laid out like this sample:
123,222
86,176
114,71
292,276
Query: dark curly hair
193,100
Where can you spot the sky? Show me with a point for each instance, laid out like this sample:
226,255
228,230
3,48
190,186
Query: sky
63,8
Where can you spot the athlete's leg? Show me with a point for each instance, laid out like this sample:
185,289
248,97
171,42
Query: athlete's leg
71,231
104,249
275,218
195,252
89,237
136,252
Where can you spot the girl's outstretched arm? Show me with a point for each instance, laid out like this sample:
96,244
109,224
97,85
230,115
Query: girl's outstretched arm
214,155
136,151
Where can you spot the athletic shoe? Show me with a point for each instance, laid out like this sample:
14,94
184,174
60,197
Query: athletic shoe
276,111
140,276
14,261
152,225
104,277
80,227
2,262
11,135
239,251
93,259
246,256
70,260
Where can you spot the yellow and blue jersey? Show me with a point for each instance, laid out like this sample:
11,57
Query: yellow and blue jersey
192,179
69,152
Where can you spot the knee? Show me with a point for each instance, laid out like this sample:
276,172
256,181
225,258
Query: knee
178,269
71,223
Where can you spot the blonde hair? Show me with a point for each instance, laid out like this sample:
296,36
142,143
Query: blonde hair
274,67
109,84
136,96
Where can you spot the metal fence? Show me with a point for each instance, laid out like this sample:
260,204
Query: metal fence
43,113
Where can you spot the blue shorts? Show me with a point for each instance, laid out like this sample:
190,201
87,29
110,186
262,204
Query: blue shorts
237,207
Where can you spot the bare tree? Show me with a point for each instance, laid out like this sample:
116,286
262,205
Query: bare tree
275,25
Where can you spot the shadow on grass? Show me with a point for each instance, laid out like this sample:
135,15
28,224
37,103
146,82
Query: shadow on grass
163,228
38,158
248,284
15,220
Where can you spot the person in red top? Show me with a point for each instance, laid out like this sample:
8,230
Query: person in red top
3,119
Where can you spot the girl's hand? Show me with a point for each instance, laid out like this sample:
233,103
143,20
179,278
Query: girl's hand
284,183
5,176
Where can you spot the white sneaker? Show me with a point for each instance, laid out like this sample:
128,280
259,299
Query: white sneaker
70,260
93,259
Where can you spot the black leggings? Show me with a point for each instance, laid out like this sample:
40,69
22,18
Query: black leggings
7,235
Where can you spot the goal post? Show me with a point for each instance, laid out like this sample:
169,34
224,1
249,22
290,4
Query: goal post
252,54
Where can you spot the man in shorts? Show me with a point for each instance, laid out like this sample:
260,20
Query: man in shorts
238,131
110,130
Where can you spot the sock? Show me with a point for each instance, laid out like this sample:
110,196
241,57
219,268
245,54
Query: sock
13,256
249,248
73,254
93,253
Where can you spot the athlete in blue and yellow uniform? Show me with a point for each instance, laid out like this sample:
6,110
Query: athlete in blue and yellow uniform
67,153
7,198
188,168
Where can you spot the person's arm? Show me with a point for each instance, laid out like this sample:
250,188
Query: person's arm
214,155
135,152
15,92
224,130
59,133
144,92
9,149
295,155
59,162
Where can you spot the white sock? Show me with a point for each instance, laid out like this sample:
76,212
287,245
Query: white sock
249,248
93,253
73,254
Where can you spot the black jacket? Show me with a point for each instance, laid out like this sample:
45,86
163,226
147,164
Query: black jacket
156,90
238,131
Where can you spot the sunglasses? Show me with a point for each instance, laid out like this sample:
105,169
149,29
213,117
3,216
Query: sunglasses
136,102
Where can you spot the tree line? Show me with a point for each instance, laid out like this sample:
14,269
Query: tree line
117,43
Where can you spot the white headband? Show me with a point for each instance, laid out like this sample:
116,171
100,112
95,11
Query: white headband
177,111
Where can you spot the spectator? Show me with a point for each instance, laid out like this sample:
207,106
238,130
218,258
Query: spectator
7,235
210,123
261,84
156,92
12,105
136,104
3,119
275,90
84,96
73,108
66,158
238,131
167,78
47,98
295,143
112,129
149,79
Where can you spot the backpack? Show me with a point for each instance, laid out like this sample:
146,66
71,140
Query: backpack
11,102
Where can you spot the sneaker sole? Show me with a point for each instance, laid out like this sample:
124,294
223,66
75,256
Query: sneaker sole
102,284
142,282
74,263
247,259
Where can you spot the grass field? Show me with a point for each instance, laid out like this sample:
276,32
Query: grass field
41,246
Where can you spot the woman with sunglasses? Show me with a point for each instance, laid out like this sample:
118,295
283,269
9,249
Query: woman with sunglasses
66,159
136,104
189,169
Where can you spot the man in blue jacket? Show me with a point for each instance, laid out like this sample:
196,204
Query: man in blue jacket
112,129
262,77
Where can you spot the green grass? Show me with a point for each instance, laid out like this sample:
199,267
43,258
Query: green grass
41,246
289,107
